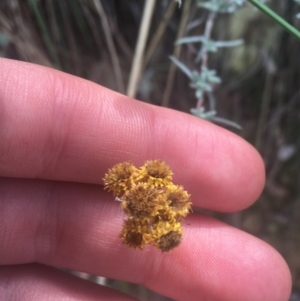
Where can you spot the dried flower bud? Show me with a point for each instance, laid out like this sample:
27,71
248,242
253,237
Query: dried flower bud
154,205
156,173
169,241
178,199
133,239
118,179
158,169
140,201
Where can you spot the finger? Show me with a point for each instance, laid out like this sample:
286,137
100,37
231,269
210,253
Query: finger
56,126
77,226
33,282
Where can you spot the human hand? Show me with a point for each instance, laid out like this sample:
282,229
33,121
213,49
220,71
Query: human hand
59,135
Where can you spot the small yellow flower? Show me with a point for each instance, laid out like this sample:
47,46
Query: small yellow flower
169,241
119,178
141,200
178,200
156,173
132,239
154,205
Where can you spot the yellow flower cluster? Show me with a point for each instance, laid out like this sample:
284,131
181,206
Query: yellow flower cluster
154,205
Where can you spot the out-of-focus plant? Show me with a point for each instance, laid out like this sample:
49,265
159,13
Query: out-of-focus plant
203,79
298,15
200,81
179,2
208,45
275,17
221,6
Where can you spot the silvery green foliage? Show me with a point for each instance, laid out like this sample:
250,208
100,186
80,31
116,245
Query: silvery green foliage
212,116
208,45
202,81
221,6
179,2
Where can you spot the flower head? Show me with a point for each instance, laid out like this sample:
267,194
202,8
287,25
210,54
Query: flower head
178,200
132,238
154,205
119,178
156,173
169,241
141,200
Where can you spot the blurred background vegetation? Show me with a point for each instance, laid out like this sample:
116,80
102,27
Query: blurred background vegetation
260,87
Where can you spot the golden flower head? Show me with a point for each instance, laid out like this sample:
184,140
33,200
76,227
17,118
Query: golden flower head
150,231
164,227
156,173
119,178
154,205
178,200
169,241
132,239
141,200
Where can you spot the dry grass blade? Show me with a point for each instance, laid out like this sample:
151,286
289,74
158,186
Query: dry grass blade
92,24
140,46
159,32
21,35
111,46
70,39
45,34
265,102
176,53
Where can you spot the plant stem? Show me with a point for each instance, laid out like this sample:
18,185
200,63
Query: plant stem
176,52
204,55
265,103
45,34
159,32
111,45
137,64
269,12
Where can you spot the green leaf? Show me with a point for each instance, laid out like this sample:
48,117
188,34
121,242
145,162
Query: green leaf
269,12
181,66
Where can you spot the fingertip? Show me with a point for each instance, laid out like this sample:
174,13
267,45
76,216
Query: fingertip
251,180
225,263
223,171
